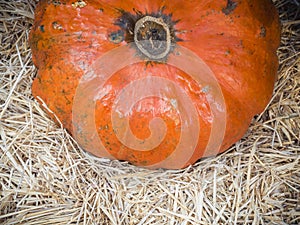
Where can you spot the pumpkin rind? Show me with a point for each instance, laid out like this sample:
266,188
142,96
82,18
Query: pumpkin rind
236,39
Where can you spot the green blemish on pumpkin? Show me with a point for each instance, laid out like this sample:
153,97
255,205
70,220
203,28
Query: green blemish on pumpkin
42,28
262,31
116,37
60,110
57,26
55,2
230,7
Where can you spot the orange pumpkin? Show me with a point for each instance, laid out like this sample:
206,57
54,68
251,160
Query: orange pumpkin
155,82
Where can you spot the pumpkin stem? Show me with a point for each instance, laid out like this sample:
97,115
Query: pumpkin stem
152,37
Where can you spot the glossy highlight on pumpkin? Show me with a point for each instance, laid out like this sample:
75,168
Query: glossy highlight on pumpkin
235,40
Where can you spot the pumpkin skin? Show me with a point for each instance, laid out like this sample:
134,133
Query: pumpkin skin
236,39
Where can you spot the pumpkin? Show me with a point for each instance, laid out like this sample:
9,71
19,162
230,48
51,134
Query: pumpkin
159,84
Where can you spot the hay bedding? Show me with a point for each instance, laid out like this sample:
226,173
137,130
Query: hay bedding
45,178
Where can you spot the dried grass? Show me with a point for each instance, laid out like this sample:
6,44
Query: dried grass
45,178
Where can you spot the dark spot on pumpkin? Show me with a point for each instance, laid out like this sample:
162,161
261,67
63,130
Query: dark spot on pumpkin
241,44
230,7
39,79
101,10
79,37
54,2
262,31
42,28
59,109
57,26
116,36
